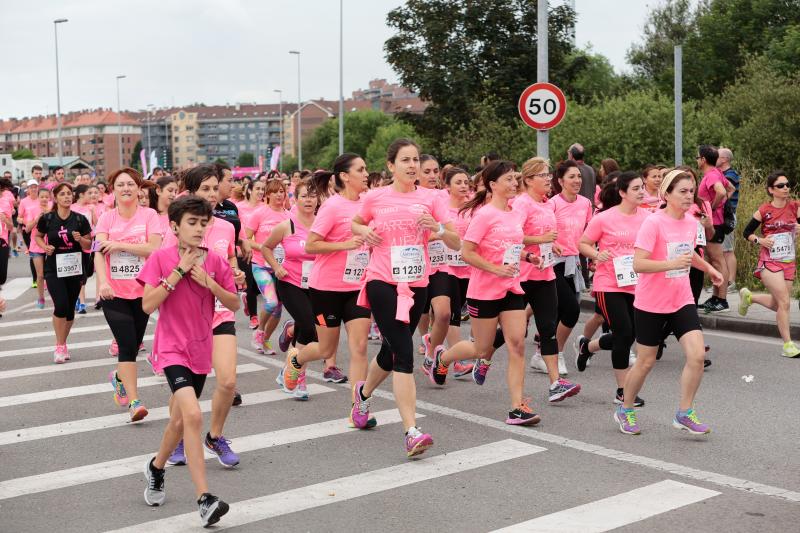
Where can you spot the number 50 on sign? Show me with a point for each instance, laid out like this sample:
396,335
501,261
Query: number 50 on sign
542,106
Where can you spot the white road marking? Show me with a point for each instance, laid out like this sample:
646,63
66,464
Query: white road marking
15,288
72,477
16,323
72,346
71,392
349,488
72,427
48,369
50,333
616,511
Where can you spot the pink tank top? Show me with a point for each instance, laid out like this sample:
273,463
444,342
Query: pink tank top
297,263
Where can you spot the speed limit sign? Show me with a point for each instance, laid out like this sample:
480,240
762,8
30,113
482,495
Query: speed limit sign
542,106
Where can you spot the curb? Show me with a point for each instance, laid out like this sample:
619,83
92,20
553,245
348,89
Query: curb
763,328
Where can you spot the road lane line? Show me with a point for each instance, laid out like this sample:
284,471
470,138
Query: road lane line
50,333
616,511
722,480
80,475
15,288
348,488
71,392
46,320
49,369
72,427
72,346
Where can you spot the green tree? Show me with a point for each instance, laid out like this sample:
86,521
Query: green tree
221,161
289,163
246,159
23,153
376,151
135,159
360,127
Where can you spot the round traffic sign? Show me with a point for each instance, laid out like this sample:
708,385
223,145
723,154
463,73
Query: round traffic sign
542,106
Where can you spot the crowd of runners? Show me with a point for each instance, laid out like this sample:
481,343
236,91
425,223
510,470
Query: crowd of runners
385,255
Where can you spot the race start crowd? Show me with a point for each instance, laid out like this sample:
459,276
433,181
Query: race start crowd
423,248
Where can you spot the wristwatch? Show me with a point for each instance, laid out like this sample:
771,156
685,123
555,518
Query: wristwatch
755,240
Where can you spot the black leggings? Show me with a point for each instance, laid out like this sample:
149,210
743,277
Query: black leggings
542,296
64,292
251,291
128,322
4,251
397,350
298,302
569,308
617,310
26,238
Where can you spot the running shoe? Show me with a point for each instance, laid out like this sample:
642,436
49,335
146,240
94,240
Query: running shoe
77,305
689,422
745,300
562,389
284,339
371,423
120,396
113,349
427,363
257,342
301,392
464,313
253,322
40,303
15,252
706,363
626,418
34,285
462,368
154,493
421,349
59,354
562,365
537,340
790,349
619,399
426,342
480,369
237,398
417,442
82,309
582,353
268,350
211,509
334,374
523,415
374,334
717,306
142,348
243,296
137,410
66,352
290,375
438,373
178,456
359,413
221,448
537,363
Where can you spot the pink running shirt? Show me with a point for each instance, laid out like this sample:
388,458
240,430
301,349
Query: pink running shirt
261,221
298,263
706,192
616,233
338,271
538,218
455,262
572,218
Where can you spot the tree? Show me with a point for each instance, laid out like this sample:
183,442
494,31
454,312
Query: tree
360,127
246,159
135,159
457,54
376,152
289,163
23,153
221,161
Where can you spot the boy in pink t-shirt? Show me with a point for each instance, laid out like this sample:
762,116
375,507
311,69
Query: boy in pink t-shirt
183,282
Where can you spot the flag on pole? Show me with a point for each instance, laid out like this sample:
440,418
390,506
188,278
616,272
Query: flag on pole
153,160
276,157
260,163
143,160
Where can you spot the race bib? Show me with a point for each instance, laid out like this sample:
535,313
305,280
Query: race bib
125,265
355,266
454,258
623,270
782,247
408,263
68,265
279,253
701,235
305,273
436,253
675,249
512,256
548,257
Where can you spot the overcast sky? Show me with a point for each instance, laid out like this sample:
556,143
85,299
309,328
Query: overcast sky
176,52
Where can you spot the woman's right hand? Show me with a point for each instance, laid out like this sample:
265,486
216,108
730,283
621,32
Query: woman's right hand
681,262
355,243
766,242
550,236
104,291
281,273
371,238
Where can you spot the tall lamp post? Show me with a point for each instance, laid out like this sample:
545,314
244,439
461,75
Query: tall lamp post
299,115
341,77
119,123
58,93
280,142
149,116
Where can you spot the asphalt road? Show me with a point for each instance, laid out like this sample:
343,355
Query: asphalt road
70,462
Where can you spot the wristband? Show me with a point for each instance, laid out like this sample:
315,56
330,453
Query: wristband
179,271
756,240
441,230
528,257
167,285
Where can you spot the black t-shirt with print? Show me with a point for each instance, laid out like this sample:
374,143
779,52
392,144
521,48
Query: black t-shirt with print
58,233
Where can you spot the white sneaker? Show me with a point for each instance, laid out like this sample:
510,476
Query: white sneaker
257,342
631,358
537,363
59,355
562,365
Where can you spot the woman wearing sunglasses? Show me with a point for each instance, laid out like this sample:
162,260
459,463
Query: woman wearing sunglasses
776,266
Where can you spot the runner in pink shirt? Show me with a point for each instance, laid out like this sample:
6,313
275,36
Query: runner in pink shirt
397,221
429,179
28,210
253,198
258,228
608,241
32,215
160,197
338,272
573,213
125,236
663,254
220,240
651,176
183,282
83,206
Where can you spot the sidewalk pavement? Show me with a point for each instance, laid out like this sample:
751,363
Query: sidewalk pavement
759,320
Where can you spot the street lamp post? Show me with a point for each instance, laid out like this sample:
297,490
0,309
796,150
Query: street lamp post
299,115
119,123
341,77
149,111
280,142
58,93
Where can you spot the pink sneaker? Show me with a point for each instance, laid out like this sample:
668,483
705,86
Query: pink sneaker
257,342
417,442
151,360
66,353
113,350
59,354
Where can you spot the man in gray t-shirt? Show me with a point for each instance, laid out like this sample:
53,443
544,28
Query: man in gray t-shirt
576,153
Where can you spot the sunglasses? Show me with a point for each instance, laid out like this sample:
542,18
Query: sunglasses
782,185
